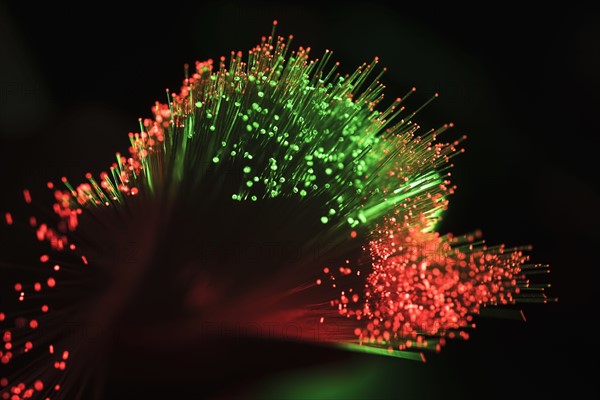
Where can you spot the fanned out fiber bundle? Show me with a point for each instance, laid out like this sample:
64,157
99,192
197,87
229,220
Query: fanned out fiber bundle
271,197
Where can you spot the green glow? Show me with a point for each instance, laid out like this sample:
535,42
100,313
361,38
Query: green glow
409,355
301,131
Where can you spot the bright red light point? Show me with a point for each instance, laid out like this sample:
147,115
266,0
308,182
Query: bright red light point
27,196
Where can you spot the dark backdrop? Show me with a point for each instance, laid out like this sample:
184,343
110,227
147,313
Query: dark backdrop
522,84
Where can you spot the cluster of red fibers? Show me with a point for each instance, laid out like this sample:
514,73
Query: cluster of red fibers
425,285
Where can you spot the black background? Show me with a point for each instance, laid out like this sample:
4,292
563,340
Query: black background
522,84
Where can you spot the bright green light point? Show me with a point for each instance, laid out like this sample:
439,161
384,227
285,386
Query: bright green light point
324,220
215,159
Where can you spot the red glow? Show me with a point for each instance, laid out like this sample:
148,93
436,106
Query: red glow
426,284
27,196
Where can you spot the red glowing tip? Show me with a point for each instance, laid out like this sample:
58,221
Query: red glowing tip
27,196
